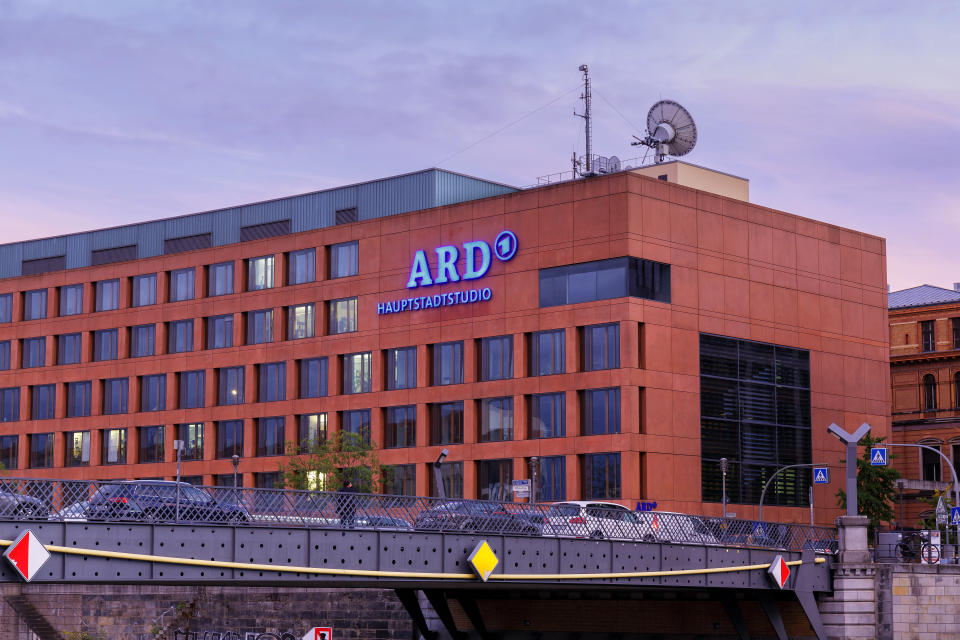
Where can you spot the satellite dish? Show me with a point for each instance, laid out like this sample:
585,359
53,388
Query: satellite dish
613,164
671,130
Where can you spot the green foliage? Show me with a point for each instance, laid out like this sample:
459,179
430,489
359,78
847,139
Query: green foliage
876,487
82,635
329,462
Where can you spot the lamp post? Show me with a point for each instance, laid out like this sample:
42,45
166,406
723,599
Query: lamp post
777,472
178,447
437,476
236,463
723,488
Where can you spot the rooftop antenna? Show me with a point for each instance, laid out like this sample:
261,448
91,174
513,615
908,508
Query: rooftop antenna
671,130
587,125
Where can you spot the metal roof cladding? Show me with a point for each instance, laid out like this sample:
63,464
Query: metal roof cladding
921,296
374,199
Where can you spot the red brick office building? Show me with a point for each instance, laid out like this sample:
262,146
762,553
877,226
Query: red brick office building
628,332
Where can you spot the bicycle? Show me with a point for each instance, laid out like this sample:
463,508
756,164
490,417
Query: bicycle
914,546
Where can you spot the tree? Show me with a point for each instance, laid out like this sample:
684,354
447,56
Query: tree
876,487
329,462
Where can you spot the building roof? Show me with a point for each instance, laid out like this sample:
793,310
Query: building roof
292,214
921,296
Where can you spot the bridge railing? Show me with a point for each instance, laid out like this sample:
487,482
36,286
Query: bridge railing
164,501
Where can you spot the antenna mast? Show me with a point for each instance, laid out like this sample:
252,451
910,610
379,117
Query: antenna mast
588,123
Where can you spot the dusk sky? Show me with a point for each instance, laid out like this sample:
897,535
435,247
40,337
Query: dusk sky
121,111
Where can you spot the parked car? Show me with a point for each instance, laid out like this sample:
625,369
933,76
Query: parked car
678,528
473,517
383,523
160,500
20,506
592,519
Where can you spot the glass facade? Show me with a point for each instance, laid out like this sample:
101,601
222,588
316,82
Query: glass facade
754,411
603,280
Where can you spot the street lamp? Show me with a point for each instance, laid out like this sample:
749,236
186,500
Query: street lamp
723,489
236,463
178,447
437,476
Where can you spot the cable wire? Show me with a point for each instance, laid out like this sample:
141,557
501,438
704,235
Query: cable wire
610,104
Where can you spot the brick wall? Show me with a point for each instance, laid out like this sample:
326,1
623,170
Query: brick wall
925,602
134,612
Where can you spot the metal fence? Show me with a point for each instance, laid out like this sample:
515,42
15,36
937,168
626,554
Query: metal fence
155,501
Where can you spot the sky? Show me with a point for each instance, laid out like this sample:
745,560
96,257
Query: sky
116,112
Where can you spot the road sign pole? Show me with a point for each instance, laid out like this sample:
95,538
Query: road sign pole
851,440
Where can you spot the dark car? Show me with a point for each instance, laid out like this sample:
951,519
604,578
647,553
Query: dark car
20,506
473,517
160,500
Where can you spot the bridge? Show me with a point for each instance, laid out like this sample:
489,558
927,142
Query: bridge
162,533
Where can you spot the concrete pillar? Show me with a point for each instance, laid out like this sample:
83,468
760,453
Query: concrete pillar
851,611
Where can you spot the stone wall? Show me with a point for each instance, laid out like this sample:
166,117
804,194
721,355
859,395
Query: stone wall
201,612
924,601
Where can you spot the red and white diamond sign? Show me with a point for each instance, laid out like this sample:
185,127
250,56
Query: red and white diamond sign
27,554
319,633
779,571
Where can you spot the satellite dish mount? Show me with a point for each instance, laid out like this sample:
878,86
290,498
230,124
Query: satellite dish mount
671,131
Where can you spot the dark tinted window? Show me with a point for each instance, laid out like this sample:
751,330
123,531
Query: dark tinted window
601,347
601,476
34,352
601,411
400,427
41,450
447,363
496,358
357,422
6,307
151,444
273,381
78,398
603,280
313,378
301,266
401,368
191,389
230,382
71,299
180,336
548,413
496,480
344,260
115,396
43,401
10,404
400,480
68,348
9,451
496,419
143,340
270,436
928,341
220,332
153,392
229,438
182,283
4,355
547,350
451,475
35,304
552,479
143,290
260,326
108,295
220,279
446,423
104,345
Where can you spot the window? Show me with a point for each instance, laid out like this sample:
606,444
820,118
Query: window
35,304
496,480
220,279
191,389
927,339
9,454
151,444
601,411
273,381
114,446
929,393
755,411
153,392
400,480
229,438
301,266
400,427
71,299
43,401
68,348
41,450
552,483
143,340
313,431
451,475
300,321
357,375
108,295
548,415
357,422
343,315
344,260
603,280
115,396
601,347
930,462
220,332
192,435
401,368
601,476
956,332
446,423
143,290
496,358
10,404
270,436
180,336
496,419
104,345
182,284
77,449
267,479
6,307
313,378
447,363
34,352
547,353
260,273
956,389
260,326
78,398
230,383
4,355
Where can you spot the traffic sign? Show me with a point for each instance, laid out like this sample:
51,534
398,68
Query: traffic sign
821,475
779,571
521,488
943,515
955,515
483,560
27,554
878,456
319,633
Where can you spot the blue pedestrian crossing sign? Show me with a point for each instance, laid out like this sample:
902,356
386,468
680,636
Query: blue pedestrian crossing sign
955,515
821,475
878,456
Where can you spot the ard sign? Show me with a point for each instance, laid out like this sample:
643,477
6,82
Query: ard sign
471,261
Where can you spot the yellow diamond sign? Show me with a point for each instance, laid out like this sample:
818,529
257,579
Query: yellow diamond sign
483,560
